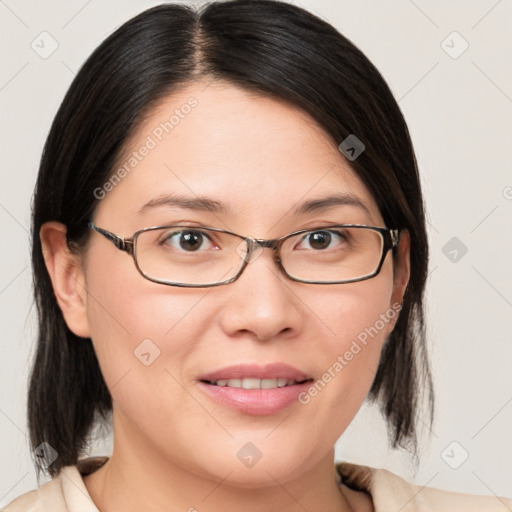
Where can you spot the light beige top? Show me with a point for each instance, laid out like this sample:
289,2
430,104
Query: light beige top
389,492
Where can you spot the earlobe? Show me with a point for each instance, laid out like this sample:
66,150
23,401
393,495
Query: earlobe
67,277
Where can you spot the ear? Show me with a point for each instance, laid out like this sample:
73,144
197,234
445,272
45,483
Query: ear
67,277
401,271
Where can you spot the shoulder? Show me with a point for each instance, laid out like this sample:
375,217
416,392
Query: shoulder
64,493
391,492
47,497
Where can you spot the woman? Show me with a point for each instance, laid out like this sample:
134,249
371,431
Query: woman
229,255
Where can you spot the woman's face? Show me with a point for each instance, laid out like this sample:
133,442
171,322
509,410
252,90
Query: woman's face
260,160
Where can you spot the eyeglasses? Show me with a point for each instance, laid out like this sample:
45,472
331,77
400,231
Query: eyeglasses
198,257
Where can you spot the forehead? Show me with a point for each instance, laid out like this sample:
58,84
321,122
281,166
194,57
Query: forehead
257,156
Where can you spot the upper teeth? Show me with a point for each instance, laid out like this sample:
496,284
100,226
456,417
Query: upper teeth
249,383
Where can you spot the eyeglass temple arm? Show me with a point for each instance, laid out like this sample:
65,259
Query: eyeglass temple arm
395,237
121,243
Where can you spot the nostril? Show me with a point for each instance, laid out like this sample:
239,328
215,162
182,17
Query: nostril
266,338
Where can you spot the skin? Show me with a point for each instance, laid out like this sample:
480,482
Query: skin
174,447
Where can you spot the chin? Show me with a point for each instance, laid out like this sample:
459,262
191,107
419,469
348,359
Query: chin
255,465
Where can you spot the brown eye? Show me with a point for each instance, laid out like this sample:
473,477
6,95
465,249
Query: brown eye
320,239
191,240
188,240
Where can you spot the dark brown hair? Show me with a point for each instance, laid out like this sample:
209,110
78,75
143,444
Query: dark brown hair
269,47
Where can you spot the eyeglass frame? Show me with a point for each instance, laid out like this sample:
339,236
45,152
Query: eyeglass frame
390,237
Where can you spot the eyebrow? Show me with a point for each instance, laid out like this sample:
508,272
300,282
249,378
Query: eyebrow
189,203
331,201
213,206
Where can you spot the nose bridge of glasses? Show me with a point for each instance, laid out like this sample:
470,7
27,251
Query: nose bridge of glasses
272,244
255,247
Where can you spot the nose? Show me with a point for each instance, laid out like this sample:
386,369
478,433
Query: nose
262,302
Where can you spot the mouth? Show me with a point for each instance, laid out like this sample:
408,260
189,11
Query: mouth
254,389
255,383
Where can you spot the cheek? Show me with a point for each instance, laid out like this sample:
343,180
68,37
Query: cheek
140,328
357,320
354,314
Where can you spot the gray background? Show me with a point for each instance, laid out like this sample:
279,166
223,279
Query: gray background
458,105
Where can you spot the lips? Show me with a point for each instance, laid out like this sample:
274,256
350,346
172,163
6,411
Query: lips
253,383
277,371
254,389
